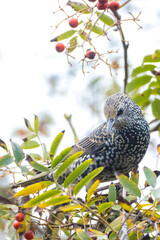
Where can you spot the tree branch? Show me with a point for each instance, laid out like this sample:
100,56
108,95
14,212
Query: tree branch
125,48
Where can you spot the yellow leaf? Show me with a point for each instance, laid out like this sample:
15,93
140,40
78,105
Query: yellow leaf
92,189
33,188
71,207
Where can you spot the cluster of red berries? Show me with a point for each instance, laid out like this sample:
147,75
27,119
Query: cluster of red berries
19,218
103,4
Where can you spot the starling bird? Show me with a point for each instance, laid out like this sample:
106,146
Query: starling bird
118,144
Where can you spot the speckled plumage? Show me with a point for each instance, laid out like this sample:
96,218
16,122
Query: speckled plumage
118,144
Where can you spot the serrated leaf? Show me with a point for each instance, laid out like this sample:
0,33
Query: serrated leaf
55,201
28,125
106,19
156,108
156,192
55,144
150,176
92,189
63,36
79,7
115,224
38,166
69,208
6,160
36,124
3,145
67,163
73,45
138,82
17,151
129,185
112,196
60,157
87,179
42,197
104,206
30,145
142,69
33,188
81,234
77,172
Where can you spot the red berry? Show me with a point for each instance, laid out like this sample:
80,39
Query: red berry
114,6
90,54
102,6
29,235
16,224
102,1
91,0
19,217
60,47
73,22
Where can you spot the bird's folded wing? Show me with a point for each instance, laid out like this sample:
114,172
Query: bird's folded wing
93,142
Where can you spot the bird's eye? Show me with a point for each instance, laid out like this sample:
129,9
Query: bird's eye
120,112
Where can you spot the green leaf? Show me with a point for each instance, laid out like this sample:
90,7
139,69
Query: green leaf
92,189
156,192
129,185
77,172
28,125
30,145
36,187
67,163
73,45
3,145
55,144
141,99
81,234
142,69
115,224
60,157
151,58
69,208
150,176
138,82
6,160
112,193
31,136
79,7
87,179
105,19
38,166
42,197
17,151
55,201
63,36
35,156
104,206
36,124
156,108
96,29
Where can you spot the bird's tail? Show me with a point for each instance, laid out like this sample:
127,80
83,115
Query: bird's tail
44,176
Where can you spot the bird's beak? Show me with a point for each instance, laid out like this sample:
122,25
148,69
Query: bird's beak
110,123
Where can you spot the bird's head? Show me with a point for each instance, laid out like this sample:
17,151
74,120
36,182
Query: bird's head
118,109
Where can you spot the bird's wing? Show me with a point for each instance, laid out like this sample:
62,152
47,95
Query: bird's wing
93,142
